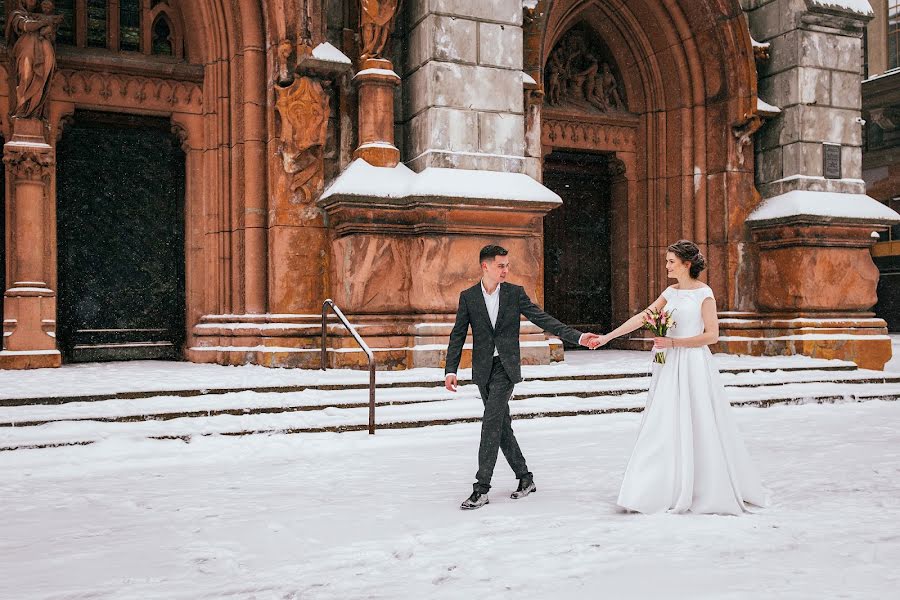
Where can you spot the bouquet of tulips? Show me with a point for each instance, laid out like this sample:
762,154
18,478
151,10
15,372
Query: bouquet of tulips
659,322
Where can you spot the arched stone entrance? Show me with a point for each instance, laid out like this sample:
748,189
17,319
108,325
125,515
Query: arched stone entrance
210,86
685,79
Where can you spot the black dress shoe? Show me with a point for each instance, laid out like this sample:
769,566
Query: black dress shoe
526,486
476,500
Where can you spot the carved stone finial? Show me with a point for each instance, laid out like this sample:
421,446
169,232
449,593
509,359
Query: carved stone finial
31,33
376,20
304,109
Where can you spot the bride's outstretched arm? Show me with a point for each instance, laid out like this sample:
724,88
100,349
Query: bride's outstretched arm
709,336
635,322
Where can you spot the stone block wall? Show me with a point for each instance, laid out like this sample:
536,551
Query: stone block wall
463,98
814,76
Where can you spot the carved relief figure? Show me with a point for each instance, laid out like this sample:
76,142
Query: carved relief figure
31,35
376,19
576,75
304,110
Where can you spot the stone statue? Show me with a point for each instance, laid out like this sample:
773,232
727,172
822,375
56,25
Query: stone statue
32,35
611,89
376,19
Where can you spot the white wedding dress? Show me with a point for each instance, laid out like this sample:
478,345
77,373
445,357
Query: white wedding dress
689,456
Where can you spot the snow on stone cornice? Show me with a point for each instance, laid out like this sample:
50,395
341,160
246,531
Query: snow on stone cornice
487,185
329,53
528,79
363,180
857,207
862,7
765,108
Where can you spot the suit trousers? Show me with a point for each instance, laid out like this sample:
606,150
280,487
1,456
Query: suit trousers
496,429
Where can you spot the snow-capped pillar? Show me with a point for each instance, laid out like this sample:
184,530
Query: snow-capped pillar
813,229
465,107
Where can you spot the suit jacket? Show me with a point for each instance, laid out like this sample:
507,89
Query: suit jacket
513,303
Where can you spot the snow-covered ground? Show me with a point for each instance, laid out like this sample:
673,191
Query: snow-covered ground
357,516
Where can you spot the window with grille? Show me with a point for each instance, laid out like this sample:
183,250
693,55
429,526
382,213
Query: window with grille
150,27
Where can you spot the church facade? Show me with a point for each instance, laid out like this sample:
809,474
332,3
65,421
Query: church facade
191,179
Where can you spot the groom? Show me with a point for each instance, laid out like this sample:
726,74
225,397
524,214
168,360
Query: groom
492,307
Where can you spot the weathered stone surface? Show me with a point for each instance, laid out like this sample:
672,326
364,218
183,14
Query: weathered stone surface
501,133
443,38
443,129
497,11
500,45
465,86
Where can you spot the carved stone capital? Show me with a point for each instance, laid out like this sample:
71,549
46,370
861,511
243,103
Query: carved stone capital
27,162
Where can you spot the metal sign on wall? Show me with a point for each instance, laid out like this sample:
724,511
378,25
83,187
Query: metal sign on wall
831,161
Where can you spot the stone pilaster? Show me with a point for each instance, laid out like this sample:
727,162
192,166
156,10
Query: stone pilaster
465,106
813,229
29,307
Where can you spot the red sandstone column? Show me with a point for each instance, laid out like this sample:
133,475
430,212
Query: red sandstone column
29,307
377,82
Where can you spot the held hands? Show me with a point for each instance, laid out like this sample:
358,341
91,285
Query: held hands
450,382
594,341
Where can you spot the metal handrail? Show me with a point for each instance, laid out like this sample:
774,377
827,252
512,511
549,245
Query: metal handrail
362,344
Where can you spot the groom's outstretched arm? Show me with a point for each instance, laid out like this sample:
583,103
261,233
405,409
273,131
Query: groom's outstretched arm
457,337
537,316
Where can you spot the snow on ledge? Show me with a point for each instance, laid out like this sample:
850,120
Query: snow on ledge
824,204
765,108
329,53
363,180
862,7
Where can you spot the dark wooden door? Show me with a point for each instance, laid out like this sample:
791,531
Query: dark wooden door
577,241
120,224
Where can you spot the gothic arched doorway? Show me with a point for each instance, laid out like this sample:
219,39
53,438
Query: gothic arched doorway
577,250
120,232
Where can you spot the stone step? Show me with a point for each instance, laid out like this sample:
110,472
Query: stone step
463,409
166,407
389,385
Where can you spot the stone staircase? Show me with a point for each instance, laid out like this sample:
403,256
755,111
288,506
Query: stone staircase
53,421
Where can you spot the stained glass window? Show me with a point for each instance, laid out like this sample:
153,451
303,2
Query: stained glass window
96,23
162,37
130,25
66,33
893,34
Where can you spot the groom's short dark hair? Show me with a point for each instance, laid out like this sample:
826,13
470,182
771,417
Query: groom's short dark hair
490,252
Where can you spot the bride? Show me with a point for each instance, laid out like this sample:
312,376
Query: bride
689,456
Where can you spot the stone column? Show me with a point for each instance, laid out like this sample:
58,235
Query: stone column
464,85
813,228
29,304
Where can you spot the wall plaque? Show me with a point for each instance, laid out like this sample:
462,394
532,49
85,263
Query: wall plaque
831,161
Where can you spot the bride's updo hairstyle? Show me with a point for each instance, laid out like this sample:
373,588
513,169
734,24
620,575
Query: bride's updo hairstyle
688,251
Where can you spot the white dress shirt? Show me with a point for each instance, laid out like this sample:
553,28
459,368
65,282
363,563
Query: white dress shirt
492,302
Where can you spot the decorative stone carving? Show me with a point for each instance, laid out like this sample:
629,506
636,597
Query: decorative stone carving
28,163
576,75
616,168
31,33
888,119
591,136
376,20
744,131
304,109
165,94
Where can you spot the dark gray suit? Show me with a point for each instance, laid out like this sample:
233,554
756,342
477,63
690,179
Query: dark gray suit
496,376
